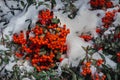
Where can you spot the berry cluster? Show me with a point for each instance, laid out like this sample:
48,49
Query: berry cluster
86,70
98,30
108,18
86,37
99,62
118,57
96,76
45,17
44,44
99,4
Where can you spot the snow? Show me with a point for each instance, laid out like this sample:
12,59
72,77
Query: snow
115,2
5,10
75,51
24,66
109,30
2,47
117,19
81,23
26,79
9,66
93,68
59,5
64,63
27,66
17,23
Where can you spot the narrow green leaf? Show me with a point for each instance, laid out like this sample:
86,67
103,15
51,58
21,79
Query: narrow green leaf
6,59
55,20
22,3
58,56
12,12
47,5
116,77
73,74
55,78
108,76
102,56
30,2
80,78
40,3
53,3
36,76
1,61
7,37
83,48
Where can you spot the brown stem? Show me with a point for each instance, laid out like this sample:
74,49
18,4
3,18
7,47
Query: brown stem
87,54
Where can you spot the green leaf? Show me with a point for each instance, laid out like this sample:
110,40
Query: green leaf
64,12
43,52
53,3
71,16
30,2
6,59
22,3
108,76
42,74
35,69
47,5
81,62
40,3
73,74
7,37
39,75
36,76
1,60
83,48
45,78
102,56
30,22
116,77
74,77
12,12
80,78
55,78
58,56
55,20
